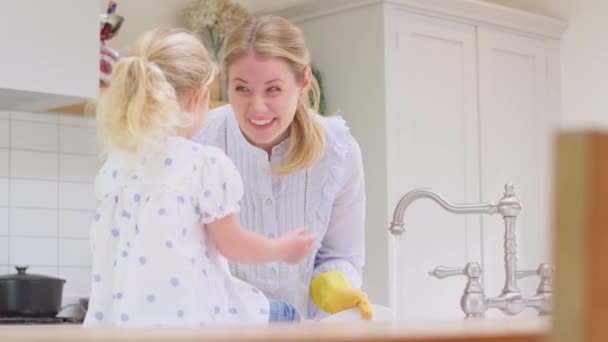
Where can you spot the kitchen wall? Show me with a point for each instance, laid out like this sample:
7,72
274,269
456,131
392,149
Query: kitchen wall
585,66
584,57
166,13
47,166
584,49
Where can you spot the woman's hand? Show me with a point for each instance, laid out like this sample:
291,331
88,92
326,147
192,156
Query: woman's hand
296,245
332,293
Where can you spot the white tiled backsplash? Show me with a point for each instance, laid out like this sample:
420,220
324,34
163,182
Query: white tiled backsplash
47,167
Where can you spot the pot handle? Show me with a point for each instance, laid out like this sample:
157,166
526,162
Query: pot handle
21,269
79,317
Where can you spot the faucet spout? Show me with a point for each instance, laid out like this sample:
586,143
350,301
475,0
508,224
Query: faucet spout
474,303
397,225
508,206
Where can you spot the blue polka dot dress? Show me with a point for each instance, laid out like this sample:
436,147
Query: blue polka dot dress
153,263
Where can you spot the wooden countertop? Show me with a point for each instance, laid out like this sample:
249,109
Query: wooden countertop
485,330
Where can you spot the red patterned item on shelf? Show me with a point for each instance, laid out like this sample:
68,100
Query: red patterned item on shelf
110,24
106,65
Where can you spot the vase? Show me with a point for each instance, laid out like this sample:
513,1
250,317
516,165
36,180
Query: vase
215,89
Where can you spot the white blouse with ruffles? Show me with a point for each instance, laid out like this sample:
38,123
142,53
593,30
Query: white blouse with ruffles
153,263
328,198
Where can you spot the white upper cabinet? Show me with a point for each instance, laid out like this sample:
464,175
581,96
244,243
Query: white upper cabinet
518,116
432,133
458,96
50,53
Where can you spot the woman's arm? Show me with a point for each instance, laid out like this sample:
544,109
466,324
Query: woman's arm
338,263
241,246
343,246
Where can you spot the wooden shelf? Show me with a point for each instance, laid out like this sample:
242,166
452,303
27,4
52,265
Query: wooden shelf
215,104
88,108
76,109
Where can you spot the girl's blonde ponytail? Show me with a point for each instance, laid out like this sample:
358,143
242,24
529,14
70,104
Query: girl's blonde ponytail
307,135
140,107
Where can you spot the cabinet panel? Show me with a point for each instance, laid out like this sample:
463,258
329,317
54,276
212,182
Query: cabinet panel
516,126
50,53
432,139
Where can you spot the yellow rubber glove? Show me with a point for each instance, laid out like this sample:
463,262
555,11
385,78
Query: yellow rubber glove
332,293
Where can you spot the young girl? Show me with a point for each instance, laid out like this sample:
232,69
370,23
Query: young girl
167,218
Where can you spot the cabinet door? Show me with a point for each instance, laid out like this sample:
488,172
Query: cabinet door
432,139
517,118
50,53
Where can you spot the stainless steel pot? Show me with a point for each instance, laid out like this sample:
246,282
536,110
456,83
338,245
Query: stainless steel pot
30,295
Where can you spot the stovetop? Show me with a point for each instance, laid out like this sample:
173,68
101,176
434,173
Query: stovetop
39,320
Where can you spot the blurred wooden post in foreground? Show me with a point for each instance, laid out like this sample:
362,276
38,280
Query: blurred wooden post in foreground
581,238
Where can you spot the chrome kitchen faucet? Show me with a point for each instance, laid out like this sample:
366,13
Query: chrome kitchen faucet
474,302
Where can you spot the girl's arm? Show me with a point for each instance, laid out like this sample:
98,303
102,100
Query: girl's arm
241,246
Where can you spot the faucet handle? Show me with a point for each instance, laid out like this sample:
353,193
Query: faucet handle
471,270
473,301
544,293
525,274
544,271
441,272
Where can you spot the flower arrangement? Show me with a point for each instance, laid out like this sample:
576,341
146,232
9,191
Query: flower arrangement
213,20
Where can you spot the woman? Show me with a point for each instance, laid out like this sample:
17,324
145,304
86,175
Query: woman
298,168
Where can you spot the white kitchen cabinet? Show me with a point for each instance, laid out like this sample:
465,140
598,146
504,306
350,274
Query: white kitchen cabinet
50,53
517,120
432,142
457,96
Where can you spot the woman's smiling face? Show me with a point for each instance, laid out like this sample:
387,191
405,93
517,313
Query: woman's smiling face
264,93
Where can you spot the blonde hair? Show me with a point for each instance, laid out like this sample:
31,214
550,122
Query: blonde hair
272,36
140,107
